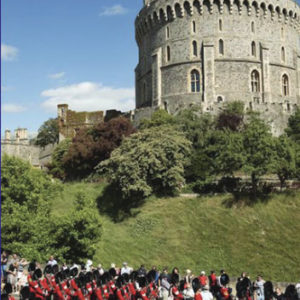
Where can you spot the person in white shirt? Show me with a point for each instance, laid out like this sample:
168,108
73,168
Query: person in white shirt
52,261
298,289
126,269
206,294
100,269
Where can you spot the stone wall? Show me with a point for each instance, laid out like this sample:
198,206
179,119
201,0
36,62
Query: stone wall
256,35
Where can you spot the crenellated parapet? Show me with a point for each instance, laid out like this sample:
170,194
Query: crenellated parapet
157,12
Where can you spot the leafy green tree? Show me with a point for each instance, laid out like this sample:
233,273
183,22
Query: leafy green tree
48,133
293,129
27,225
56,167
75,236
150,161
232,116
158,118
258,149
91,146
285,159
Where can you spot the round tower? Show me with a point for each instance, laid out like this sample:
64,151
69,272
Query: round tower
209,52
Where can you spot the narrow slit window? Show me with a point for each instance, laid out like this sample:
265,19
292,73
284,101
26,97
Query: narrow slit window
285,85
194,26
220,25
168,53
221,47
253,49
195,51
282,54
255,86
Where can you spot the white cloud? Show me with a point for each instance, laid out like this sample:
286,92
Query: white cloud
8,53
114,10
12,108
89,96
57,75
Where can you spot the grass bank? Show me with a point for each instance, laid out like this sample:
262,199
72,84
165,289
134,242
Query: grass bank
209,232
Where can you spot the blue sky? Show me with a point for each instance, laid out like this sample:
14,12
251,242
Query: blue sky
80,52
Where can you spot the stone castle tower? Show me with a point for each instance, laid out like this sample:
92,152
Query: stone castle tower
209,52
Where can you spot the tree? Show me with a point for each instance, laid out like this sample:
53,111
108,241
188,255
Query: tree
158,118
27,225
259,149
150,161
91,146
48,133
56,167
293,129
232,116
285,159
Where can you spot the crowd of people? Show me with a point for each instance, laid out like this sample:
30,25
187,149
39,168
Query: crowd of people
87,282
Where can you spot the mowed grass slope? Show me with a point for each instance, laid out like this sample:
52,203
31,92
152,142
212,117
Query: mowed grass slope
203,233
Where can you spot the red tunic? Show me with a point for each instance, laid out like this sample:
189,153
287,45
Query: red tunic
203,280
119,294
224,293
198,296
213,280
176,294
143,293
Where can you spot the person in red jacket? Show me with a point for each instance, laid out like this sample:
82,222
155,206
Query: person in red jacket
174,289
203,279
213,283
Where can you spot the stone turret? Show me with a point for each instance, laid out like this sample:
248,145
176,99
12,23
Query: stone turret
7,135
21,134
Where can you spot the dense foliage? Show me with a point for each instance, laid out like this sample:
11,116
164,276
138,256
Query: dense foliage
93,145
150,161
27,226
48,133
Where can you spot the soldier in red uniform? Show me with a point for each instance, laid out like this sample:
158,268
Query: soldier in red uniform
174,289
213,284
203,279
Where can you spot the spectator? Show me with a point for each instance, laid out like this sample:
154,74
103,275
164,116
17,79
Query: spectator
52,261
259,288
100,269
125,269
4,259
298,289
278,294
203,279
12,274
206,294
142,271
164,283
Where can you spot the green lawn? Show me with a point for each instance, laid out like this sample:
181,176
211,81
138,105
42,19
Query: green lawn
202,234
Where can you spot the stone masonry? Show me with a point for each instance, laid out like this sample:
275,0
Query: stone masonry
210,52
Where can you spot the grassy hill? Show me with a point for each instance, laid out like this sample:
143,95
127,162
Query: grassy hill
209,232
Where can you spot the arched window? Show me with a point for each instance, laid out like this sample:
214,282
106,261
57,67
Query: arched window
282,54
195,81
255,86
195,52
168,53
220,25
252,27
253,49
285,85
168,32
221,47
194,26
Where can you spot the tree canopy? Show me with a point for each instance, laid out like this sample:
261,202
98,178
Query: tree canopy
48,133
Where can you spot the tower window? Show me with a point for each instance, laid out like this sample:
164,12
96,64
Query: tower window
168,53
195,48
252,27
194,27
221,47
253,49
220,25
282,54
168,32
195,81
255,86
285,85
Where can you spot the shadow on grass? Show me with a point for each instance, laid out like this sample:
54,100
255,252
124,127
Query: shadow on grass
117,208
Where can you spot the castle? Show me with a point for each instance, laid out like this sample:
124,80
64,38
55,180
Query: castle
209,52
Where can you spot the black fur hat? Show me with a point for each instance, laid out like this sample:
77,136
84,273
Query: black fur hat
31,267
73,272
151,275
105,277
133,276
8,289
175,278
55,269
142,281
88,277
25,292
112,272
48,270
196,284
37,274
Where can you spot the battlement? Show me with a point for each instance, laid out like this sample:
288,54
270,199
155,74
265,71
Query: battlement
20,136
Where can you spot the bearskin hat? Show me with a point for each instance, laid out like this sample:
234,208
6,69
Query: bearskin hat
55,269
73,272
31,267
224,279
112,272
105,277
8,288
196,284
142,281
88,277
181,284
126,277
25,292
48,270
133,276
37,274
